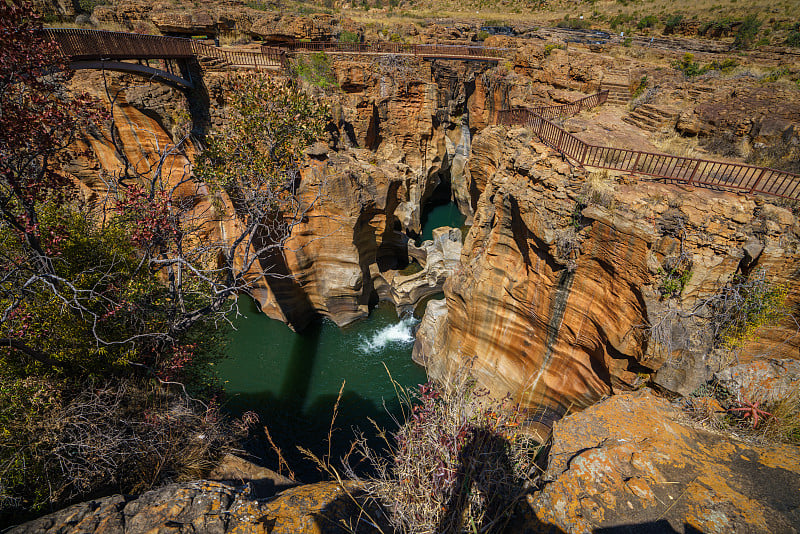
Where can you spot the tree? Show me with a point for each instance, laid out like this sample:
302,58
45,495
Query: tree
108,312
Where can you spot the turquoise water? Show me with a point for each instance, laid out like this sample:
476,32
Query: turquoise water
292,380
441,215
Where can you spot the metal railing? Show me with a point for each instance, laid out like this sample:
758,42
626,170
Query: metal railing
423,50
691,171
78,45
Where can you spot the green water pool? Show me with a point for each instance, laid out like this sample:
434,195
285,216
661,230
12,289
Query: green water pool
292,380
441,215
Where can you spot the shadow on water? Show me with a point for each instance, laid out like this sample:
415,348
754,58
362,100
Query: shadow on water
291,380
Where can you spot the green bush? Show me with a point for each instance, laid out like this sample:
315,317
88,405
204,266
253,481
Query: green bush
315,69
482,35
647,22
549,47
259,5
746,35
349,37
574,24
640,87
620,20
793,38
87,6
691,68
672,23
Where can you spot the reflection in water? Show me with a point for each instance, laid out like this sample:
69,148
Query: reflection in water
292,380
441,215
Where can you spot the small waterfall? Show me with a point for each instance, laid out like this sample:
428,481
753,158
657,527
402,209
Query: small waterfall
401,333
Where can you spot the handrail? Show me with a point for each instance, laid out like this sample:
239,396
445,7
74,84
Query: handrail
423,50
78,45
81,45
691,171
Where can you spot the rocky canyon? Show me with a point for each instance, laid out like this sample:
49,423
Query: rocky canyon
583,295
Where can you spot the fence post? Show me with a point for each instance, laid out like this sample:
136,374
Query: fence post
636,163
691,176
583,154
758,180
560,139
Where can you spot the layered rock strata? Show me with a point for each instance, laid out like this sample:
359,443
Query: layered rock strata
392,143
563,277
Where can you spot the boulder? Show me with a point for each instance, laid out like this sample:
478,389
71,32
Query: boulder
633,463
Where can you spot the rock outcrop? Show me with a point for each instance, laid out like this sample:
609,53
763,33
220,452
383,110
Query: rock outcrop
634,463
438,259
203,506
562,273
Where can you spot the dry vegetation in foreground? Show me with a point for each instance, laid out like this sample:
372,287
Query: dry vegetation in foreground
459,462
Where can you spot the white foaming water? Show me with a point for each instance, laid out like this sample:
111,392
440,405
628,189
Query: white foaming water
398,333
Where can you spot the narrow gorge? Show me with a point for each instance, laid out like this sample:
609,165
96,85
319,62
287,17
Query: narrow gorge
431,241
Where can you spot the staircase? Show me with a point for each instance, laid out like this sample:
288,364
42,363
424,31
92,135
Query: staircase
212,63
699,92
619,91
651,118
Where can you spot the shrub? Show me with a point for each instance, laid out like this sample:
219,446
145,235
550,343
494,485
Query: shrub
744,306
793,39
460,462
672,23
315,69
620,20
647,22
640,88
574,24
691,68
62,441
87,6
746,35
549,47
482,35
349,37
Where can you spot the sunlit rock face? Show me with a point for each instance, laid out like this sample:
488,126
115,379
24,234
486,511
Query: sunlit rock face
395,134
562,272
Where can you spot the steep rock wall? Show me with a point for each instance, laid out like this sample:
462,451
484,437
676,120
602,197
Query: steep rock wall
392,141
561,273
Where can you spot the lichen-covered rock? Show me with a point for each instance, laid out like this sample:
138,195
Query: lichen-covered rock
204,507
632,461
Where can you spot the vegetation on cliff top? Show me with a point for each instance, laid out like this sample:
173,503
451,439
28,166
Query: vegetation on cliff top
108,312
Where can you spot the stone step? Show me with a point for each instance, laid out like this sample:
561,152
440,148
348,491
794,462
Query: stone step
640,124
644,120
658,112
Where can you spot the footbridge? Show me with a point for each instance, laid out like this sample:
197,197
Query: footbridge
423,51
735,177
133,52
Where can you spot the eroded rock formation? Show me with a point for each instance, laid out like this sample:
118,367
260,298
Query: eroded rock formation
562,273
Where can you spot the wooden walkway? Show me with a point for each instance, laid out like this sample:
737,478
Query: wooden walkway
736,177
104,49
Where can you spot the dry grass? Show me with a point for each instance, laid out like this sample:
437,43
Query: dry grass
784,425
677,145
716,408
458,462
599,13
599,189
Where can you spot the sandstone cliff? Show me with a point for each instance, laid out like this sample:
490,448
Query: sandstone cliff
396,132
562,273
